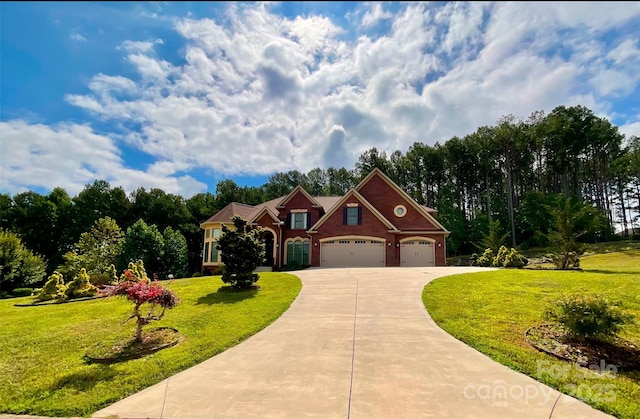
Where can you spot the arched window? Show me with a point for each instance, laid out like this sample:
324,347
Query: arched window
298,252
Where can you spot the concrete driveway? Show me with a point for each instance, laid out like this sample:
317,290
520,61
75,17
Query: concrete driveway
356,343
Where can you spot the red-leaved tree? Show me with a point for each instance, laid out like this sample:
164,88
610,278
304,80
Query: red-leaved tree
139,290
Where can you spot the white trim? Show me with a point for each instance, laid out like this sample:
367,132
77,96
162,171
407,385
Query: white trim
354,237
403,208
275,236
404,195
363,201
298,188
420,238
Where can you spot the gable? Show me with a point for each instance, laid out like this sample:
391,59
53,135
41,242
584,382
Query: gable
370,217
298,194
385,195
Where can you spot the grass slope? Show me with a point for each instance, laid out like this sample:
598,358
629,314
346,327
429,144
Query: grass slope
491,311
42,348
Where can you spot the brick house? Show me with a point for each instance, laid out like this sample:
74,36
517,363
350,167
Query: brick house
374,224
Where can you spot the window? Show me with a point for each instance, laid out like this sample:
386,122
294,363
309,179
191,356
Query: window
216,233
352,216
207,232
206,252
298,220
400,211
298,252
214,252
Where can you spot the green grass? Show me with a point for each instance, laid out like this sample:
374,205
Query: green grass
491,311
42,348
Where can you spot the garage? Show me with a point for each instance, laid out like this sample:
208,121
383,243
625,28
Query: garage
417,253
350,252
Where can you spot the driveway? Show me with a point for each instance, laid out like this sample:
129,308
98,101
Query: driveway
356,343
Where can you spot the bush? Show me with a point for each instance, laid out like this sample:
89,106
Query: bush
53,289
22,292
486,259
80,286
196,274
498,261
514,259
569,260
473,259
588,316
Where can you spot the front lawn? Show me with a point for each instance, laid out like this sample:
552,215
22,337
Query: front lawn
42,348
491,311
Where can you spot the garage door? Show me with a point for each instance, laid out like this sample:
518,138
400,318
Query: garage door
352,253
416,253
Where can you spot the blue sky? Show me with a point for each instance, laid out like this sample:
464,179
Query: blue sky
181,95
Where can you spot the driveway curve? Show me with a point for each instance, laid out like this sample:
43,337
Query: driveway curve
356,343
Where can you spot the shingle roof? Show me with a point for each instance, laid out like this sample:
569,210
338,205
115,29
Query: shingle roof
249,211
226,214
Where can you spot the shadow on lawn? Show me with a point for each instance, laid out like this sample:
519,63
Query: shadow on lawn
608,272
86,379
227,295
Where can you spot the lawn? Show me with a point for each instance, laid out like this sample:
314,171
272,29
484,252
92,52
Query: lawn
42,348
491,311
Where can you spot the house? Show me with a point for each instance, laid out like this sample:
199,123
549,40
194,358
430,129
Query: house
374,224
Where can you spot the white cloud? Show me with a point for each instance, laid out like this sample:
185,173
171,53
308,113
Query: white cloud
72,155
262,93
140,46
375,15
75,36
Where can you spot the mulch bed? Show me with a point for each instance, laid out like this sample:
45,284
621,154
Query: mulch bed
554,340
153,340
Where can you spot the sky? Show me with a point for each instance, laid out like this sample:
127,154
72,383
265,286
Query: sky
181,95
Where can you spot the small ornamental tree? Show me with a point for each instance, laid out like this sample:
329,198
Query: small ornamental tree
80,286
137,288
54,288
242,251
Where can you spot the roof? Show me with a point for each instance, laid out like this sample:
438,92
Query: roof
226,214
248,212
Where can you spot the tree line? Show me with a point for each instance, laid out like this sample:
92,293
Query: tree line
511,172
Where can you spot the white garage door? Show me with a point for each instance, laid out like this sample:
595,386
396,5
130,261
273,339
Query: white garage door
417,253
352,253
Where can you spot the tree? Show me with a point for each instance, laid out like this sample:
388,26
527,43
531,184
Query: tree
96,250
494,239
19,267
142,242
138,289
80,286
570,219
175,254
242,251
53,289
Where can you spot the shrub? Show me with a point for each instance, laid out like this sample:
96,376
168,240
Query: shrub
473,259
196,274
80,286
498,261
569,260
514,259
109,277
54,288
588,316
486,259
139,290
22,292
